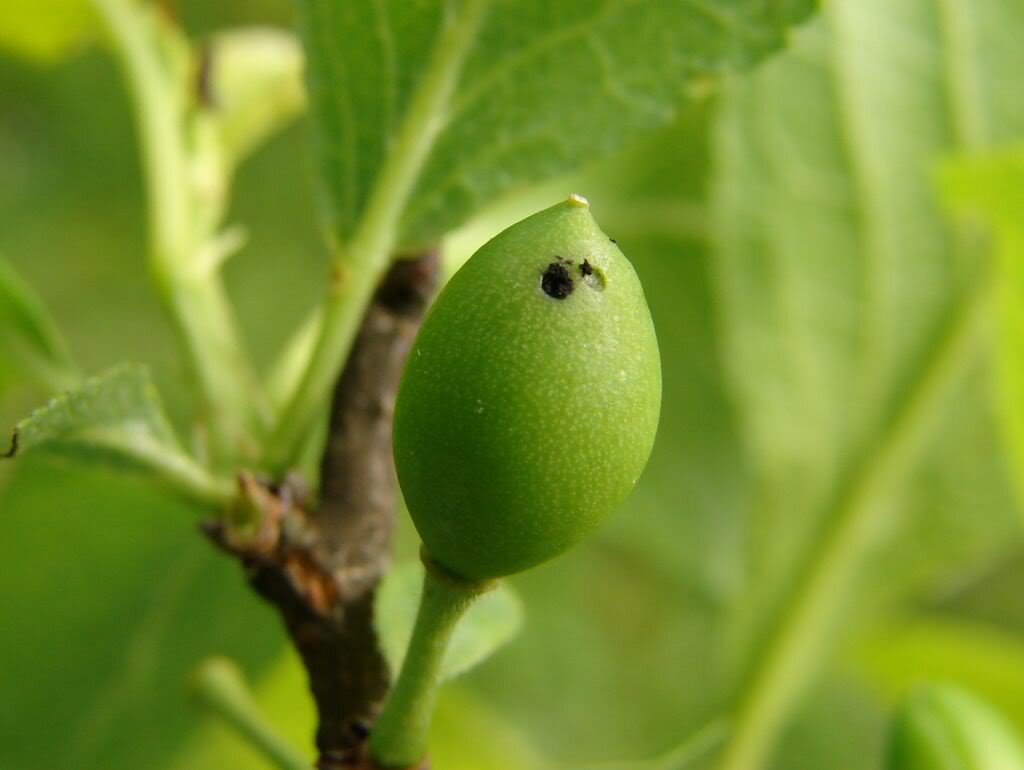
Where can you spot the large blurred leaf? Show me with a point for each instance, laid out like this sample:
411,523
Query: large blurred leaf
110,598
45,30
991,190
29,341
489,623
545,87
852,313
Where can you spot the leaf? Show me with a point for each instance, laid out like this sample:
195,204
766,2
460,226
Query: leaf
991,189
110,600
29,340
45,30
118,413
853,325
117,419
984,658
545,87
109,596
487,625
254,86
282,692
944,726
684,756
293,359
219,686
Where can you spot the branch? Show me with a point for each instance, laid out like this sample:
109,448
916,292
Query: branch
320,565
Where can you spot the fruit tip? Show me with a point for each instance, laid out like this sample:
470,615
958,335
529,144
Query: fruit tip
575,199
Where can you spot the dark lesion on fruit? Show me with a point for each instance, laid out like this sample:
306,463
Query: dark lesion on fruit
556,280
592,275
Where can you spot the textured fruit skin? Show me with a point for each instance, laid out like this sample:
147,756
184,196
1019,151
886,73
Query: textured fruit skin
523,419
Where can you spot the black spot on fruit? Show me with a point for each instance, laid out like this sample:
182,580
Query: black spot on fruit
556,281
586,269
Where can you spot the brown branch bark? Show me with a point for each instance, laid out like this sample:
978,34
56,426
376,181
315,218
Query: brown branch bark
320,565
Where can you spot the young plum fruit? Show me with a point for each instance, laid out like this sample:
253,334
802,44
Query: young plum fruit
530,400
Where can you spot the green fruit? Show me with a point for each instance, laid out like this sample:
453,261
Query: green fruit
946,728
530,400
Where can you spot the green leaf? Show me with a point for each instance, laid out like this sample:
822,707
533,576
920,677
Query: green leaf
990,189
111,599
254,86
219,686
545,87
684,756
117,419
119,411
29,341
45,30
854,322
282,692
488,624
985,658
944,727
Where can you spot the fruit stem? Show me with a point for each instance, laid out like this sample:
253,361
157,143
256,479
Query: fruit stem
399,738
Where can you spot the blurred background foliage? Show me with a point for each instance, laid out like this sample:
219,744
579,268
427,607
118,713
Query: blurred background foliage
799,267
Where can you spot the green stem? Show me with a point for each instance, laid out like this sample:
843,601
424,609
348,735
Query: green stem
359,265
399,737
804,627
191,291
176,470
218,685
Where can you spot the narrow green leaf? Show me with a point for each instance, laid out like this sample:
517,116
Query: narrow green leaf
546,87
983,657
284,377
282,693
944,727
117,419
29,341
990,189
491,622
45,30
686,755
218,685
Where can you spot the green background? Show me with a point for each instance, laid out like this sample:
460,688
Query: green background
108,596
